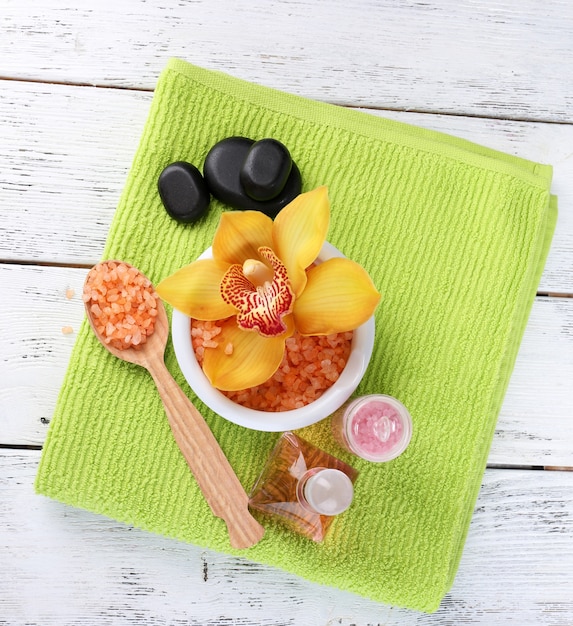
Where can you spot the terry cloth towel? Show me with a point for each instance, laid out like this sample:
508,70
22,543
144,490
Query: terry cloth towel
454,235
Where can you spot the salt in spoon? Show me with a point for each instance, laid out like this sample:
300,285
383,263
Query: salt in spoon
215,476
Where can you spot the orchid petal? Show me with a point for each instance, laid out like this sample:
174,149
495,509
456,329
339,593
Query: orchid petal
240,234
339,296
299,231
194,290
242,359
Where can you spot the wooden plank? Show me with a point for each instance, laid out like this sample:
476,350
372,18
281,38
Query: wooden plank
33,348
65,566
534,427
535,423
64,157
493,58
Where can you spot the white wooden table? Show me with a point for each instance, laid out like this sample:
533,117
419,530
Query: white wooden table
75,88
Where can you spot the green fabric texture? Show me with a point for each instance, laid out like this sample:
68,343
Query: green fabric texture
455,237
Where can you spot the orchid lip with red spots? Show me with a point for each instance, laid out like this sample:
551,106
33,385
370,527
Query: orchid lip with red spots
261,306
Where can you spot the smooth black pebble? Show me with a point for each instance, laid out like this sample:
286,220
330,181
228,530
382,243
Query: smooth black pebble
222,171
266,169
183,191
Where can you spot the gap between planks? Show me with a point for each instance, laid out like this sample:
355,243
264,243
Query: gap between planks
347,105
87,266
77,266
496,466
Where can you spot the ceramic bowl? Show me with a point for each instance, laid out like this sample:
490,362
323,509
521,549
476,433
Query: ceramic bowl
279,421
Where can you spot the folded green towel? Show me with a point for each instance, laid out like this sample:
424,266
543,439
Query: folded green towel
453,234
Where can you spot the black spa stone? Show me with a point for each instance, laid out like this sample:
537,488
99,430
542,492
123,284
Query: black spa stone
222,172
183,191
266,169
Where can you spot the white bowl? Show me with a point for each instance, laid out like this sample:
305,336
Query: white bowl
277,421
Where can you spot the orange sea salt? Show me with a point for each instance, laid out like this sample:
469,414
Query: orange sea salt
122,302
309,367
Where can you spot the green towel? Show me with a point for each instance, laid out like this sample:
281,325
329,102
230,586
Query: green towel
455,237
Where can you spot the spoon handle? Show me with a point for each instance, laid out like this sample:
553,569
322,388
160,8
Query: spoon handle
213,472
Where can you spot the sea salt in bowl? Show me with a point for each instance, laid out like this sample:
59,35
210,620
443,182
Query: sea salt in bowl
274,421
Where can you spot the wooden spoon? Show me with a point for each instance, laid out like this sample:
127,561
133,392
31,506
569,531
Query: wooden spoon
215,476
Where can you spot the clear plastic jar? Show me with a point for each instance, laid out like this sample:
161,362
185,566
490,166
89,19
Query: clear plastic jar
376,427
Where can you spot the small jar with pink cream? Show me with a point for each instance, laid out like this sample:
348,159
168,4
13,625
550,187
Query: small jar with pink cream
375,427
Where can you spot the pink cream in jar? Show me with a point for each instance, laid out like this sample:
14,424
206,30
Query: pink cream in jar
375,427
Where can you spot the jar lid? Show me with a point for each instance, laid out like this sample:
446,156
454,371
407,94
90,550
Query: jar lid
328,491
377,427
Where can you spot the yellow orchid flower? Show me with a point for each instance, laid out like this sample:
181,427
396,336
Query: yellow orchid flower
259,282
